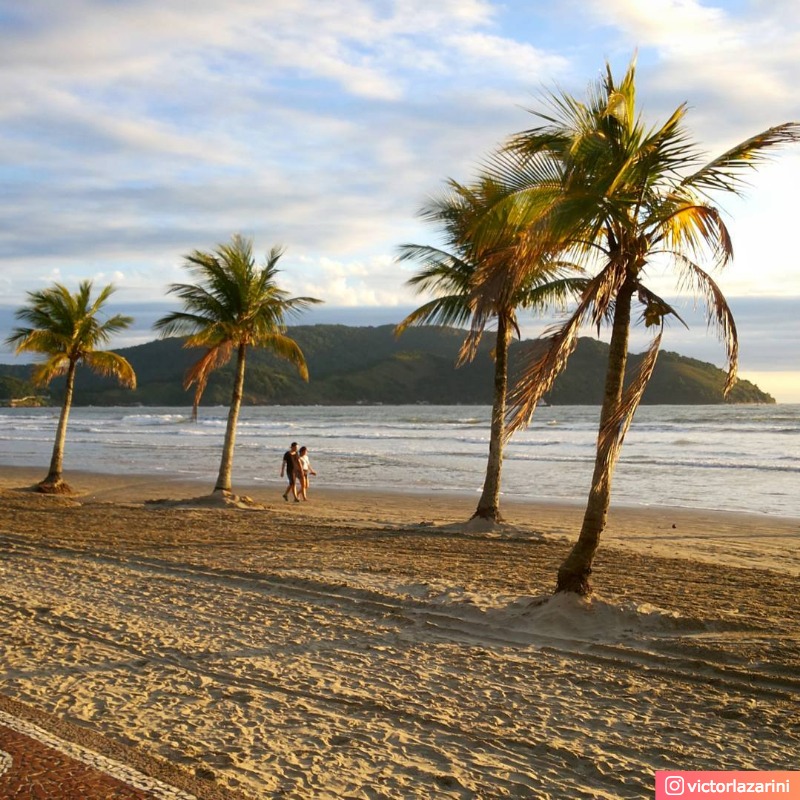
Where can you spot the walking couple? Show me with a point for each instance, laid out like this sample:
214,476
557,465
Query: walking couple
297,468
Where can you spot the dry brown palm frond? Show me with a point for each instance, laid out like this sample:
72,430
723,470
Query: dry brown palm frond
504,271
612,434
494,284
199,372
603,289
469,347
656,309
540,376
54,367
718,315
501,278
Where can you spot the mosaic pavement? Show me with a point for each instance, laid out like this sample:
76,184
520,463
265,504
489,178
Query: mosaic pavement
44,758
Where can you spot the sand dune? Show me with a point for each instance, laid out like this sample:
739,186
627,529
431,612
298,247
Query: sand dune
345,649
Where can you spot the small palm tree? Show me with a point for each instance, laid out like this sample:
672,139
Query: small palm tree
235,304
449,276
65,328
600,185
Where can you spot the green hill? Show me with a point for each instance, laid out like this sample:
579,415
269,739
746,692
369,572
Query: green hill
350,365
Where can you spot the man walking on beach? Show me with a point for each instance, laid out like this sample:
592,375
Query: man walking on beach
291,466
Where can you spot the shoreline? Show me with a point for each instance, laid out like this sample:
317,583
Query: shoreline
737,539
185,486
683,455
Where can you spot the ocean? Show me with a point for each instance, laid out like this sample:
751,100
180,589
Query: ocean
743,458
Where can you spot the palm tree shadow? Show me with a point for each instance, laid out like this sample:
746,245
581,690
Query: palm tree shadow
483,528
217,499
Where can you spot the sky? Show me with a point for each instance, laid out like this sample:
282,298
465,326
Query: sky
133,132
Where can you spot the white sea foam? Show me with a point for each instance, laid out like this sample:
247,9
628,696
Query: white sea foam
725,457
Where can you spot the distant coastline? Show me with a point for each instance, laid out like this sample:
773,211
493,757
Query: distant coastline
351,366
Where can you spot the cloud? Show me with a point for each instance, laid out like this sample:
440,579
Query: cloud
377,282
143,116
496,54
135,132
351,44
736,69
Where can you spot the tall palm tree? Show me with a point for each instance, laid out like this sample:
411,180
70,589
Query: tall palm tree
65,328
599,184
448,275
235,304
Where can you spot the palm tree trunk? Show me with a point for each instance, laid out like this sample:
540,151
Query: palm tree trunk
489,503
54,482
226,464
574,572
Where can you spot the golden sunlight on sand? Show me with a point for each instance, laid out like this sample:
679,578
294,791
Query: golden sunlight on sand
365,645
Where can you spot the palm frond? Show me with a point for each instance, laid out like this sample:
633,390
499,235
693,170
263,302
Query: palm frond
111,365
213,335
552,294
612,434
516,173
181,323
539,376
595,305
450,311
35,340
469,347
200,371
292,306
697,229
201,306
718,314
54,367
287,348
727,172
85,292
64,326
656,309
600,294
106,330
441,270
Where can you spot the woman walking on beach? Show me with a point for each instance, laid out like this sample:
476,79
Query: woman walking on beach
305,471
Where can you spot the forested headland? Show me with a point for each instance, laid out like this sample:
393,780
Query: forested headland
349,365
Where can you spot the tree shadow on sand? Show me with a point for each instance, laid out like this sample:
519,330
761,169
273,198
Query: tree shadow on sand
481,528
219,499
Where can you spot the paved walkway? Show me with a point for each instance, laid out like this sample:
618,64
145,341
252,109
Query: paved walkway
38,763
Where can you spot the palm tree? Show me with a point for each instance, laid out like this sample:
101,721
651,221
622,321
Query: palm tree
448,275
235,304
65,328
598,184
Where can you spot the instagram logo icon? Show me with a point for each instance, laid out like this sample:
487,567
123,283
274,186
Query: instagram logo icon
674,785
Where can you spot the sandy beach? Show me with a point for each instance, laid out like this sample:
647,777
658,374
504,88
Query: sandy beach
362,645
